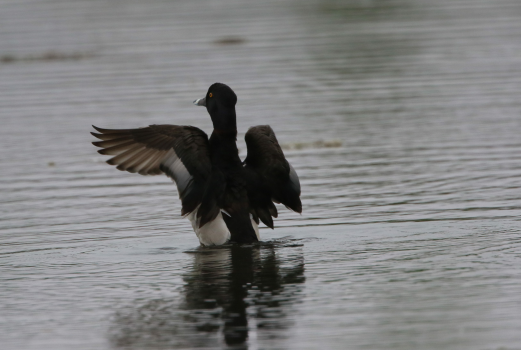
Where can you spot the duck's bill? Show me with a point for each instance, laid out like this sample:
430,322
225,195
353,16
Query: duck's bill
200,102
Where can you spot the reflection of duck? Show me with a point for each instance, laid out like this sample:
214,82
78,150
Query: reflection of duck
234,291
224,198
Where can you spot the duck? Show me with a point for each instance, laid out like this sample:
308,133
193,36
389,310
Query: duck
224,198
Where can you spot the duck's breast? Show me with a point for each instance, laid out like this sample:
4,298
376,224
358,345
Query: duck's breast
214,232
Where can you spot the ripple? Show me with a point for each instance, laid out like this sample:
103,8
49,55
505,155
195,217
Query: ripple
401,119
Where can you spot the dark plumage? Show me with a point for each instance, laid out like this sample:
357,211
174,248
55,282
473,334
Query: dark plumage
223,197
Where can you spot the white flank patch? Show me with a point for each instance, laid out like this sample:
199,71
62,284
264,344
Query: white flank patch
293,178
181,176
255,227
214,232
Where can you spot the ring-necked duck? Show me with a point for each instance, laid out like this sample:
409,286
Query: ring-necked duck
223,197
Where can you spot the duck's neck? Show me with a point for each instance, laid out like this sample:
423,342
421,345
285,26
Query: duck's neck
225,135
224,149
224,120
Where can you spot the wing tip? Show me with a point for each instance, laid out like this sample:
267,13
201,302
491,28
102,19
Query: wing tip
97,129
297,206
297,209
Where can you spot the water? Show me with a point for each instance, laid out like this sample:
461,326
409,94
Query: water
410,233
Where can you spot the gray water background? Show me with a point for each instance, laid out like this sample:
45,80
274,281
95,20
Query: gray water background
401,117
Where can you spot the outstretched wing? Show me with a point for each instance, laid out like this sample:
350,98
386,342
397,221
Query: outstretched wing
276,180
181,152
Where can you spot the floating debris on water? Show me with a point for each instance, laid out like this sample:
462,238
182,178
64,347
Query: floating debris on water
315,144
47,56
230,40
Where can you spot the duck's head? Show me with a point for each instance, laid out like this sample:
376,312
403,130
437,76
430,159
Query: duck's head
220,103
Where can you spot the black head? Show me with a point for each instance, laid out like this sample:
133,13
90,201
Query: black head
220,103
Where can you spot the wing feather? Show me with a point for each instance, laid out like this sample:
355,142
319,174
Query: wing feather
182,152
154,159
123,154
275,176
118,148
140,160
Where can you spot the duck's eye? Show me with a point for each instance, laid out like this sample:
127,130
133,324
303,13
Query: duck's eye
210,94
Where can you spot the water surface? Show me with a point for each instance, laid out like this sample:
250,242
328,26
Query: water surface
401,118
